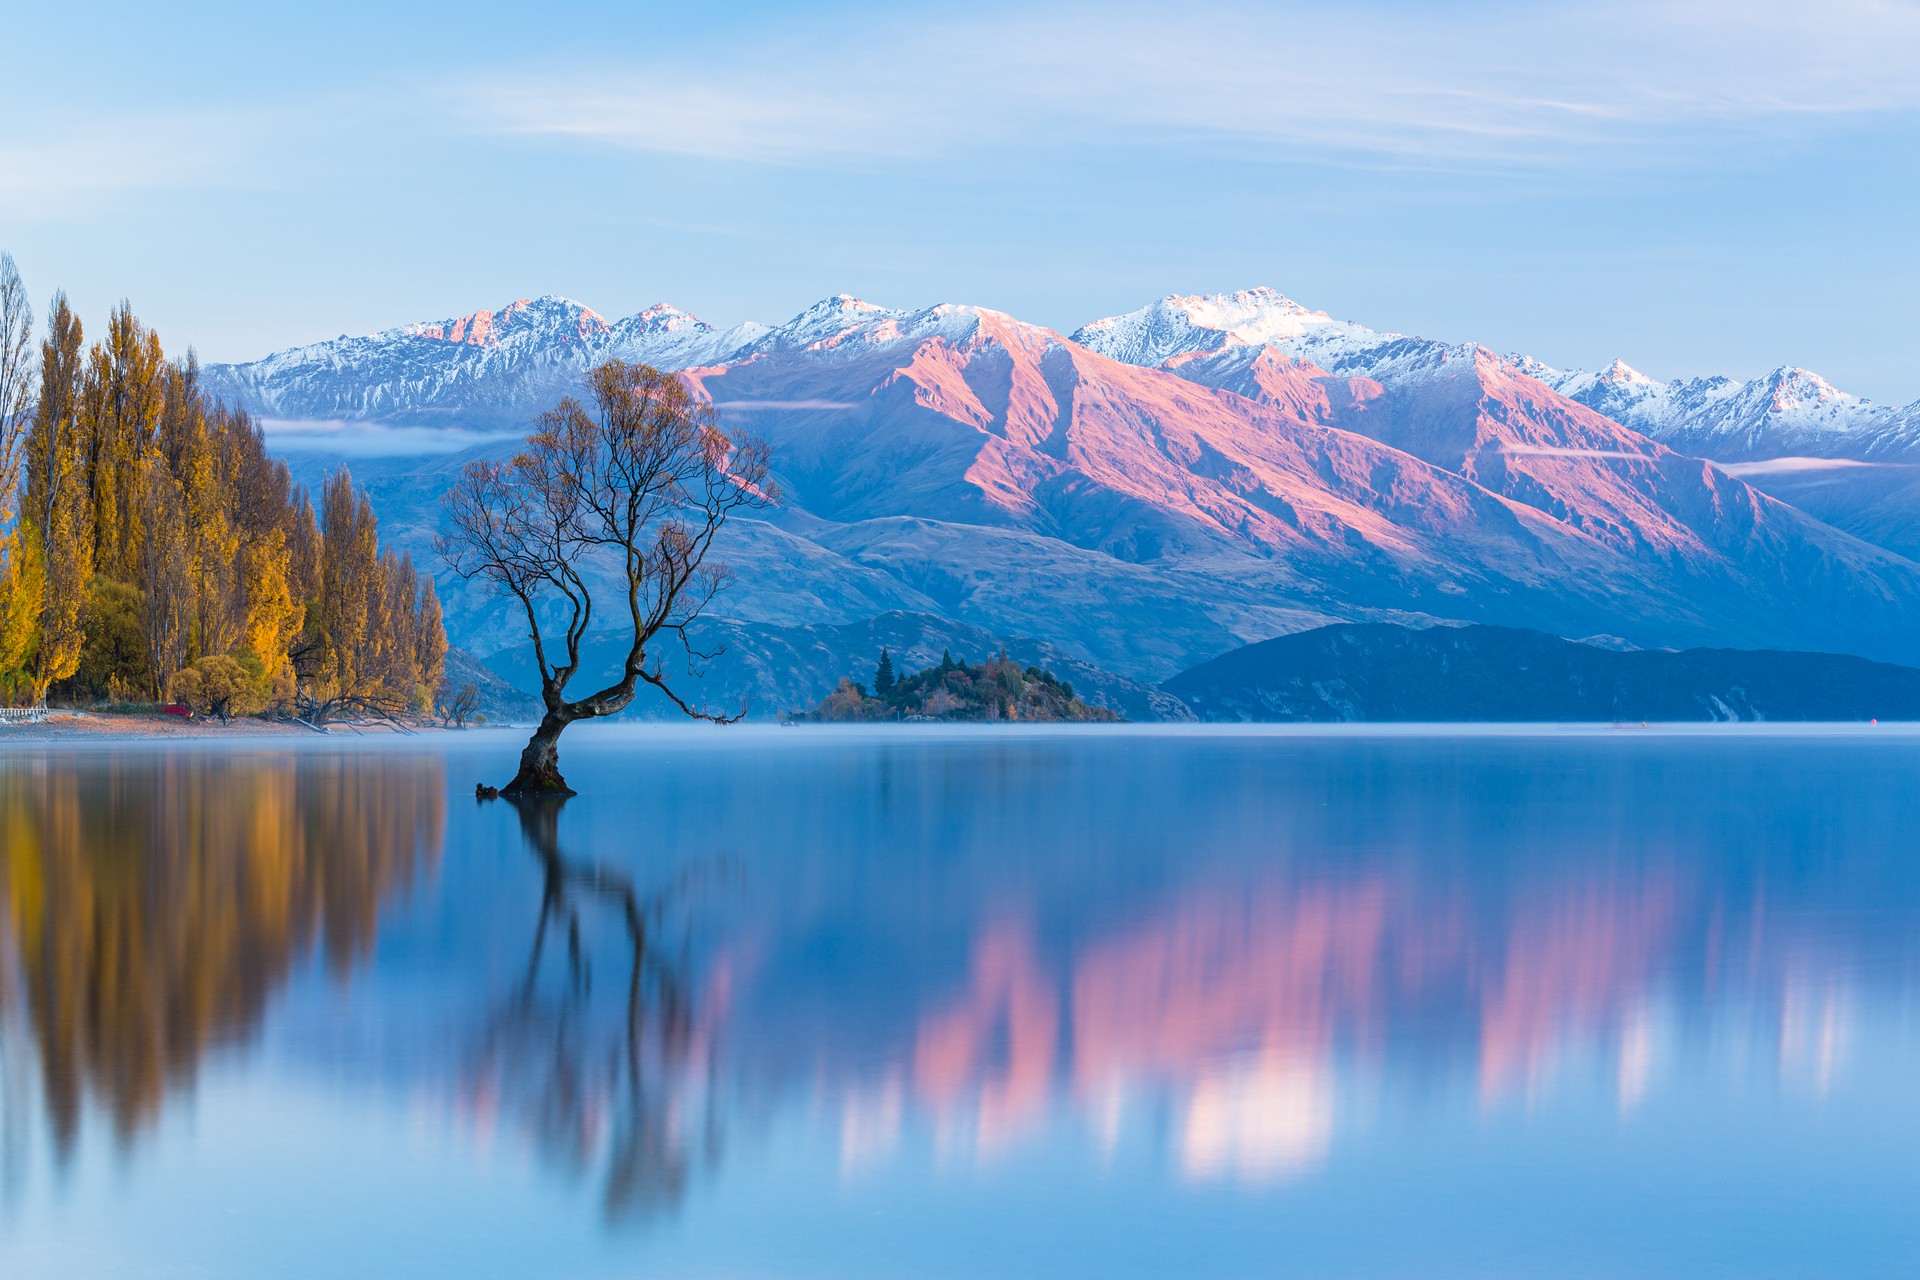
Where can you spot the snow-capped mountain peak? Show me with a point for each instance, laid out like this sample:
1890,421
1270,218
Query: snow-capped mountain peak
1252,315
481,368
665,336
848,326
664,315
1182,324
1620,373
499,366
548,316
1801,391
1789,411
833,317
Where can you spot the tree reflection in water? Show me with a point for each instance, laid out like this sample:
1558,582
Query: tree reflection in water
153,905
618,1085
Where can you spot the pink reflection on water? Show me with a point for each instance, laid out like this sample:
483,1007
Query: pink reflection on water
1231,1009
998,1042
1573,961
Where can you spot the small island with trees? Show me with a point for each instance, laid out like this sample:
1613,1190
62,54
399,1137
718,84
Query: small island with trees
998,689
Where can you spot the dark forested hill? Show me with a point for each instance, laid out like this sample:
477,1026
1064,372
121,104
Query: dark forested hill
1376,671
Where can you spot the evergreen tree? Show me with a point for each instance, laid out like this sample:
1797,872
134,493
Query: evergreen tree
883,677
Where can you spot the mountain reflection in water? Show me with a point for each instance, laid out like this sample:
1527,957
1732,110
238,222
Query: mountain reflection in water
1281,966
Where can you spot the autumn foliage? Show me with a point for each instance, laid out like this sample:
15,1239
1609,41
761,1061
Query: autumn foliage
151,548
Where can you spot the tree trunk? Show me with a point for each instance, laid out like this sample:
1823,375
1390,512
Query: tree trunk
540,762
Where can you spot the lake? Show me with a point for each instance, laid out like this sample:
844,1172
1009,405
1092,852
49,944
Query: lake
947,1003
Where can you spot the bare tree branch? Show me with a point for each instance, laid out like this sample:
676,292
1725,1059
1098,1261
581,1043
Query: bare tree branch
17,367
647,479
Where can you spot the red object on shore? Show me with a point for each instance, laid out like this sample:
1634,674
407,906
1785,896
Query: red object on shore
177,709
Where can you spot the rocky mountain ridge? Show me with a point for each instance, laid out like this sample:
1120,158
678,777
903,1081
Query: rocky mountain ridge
1787,412
956,462
493,368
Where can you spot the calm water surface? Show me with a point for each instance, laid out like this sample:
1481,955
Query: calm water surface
797,1003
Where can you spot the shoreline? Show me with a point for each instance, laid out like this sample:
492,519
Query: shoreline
111,727
144,726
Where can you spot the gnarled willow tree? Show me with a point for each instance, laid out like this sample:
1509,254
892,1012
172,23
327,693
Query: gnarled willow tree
639,486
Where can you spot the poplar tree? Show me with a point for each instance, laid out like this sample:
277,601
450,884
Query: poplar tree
151,546
56,499
375,638
166,569
16,380
22,573
121,420
430,644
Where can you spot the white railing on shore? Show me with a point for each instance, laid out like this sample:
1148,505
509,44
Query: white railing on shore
22,715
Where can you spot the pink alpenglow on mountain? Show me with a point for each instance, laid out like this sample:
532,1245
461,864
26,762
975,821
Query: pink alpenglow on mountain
1164,485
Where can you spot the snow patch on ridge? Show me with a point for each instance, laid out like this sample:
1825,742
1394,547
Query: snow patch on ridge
1788,411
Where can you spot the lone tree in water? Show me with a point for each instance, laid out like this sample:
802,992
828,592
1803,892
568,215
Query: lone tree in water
640,486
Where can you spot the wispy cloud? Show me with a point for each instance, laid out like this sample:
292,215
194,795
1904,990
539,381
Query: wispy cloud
1780,466
1555,451
1485,82
371,440
1491,82
785,404
78,163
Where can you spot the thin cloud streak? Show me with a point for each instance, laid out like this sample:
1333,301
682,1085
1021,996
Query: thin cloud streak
1432,88
1784,466
1551,451
79,165
76,167
371,439
1432,85
785,404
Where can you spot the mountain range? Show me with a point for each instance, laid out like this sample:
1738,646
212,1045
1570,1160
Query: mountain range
494,368
1166,485
1848,461
1788,412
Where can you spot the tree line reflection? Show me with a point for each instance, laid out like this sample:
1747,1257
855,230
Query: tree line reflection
154,906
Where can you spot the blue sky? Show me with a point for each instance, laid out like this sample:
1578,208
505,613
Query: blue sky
1695,186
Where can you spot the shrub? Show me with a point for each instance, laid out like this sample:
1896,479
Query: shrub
221,685
113,659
